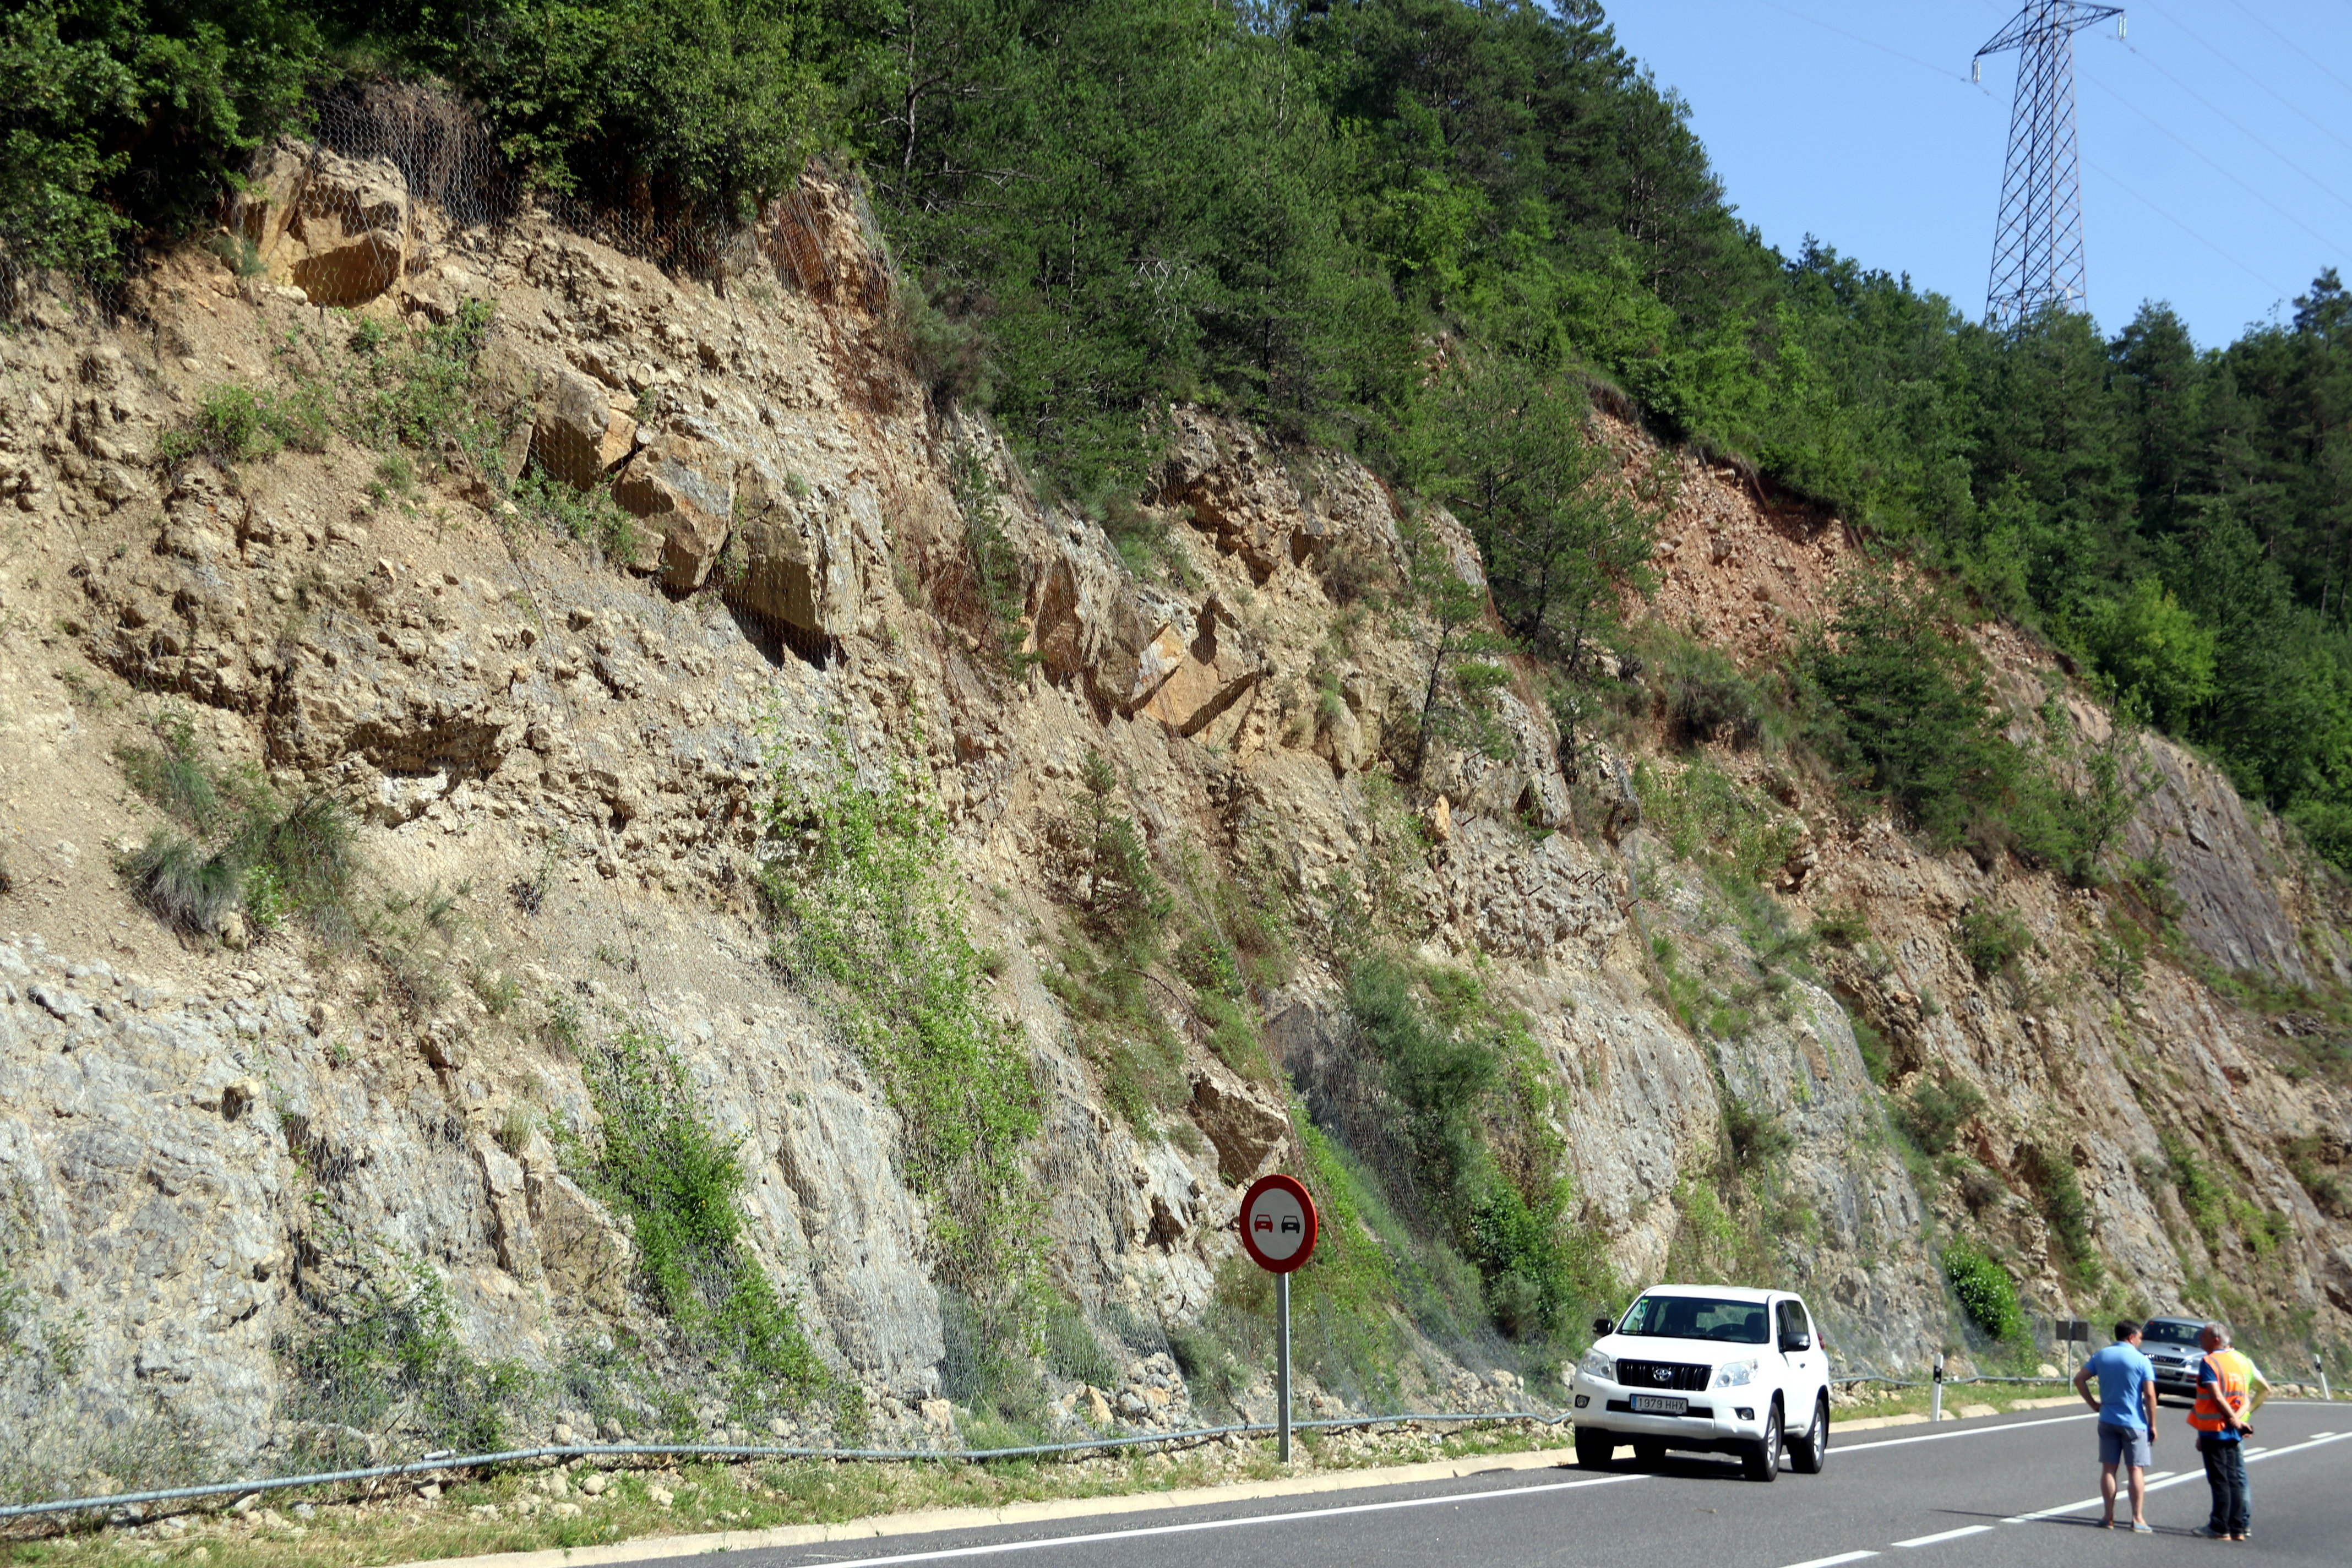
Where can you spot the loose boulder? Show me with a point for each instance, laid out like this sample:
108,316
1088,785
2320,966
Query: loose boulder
335,228
799,565
579,435
685,491
1245,1129
1211,675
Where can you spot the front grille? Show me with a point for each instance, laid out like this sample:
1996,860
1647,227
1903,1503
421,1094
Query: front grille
1664,1376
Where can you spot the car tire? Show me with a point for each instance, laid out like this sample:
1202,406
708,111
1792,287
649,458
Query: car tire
1595,1450
1761,1459
1809,1452
1649,1452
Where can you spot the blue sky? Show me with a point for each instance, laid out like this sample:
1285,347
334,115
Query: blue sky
2215,138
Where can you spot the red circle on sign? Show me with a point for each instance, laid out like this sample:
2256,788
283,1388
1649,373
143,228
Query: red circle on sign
1278,1223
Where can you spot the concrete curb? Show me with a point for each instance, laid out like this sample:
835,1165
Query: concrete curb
928,1521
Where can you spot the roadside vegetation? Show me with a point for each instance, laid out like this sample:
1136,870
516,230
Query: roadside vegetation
548,1507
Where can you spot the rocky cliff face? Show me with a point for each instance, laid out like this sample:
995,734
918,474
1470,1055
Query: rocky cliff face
216,1139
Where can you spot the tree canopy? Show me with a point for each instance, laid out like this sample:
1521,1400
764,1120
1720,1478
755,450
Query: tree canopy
1383,224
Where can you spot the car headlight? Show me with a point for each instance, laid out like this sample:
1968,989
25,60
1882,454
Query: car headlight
1598,1365
1732,1373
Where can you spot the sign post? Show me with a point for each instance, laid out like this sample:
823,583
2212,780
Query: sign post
1277,1226
1282,1367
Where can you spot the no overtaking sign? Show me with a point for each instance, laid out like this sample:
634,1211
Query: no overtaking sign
1278,1224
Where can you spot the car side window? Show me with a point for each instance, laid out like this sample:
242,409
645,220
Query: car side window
1792,1318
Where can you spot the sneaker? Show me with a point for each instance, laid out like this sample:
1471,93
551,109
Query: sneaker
2209,1534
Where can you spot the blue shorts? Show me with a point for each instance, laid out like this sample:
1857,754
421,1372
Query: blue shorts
2124,1445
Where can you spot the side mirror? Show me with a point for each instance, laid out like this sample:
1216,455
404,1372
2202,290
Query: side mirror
1603,1326
1795,1342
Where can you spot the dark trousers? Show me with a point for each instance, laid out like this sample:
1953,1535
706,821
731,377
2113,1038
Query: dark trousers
2225,1472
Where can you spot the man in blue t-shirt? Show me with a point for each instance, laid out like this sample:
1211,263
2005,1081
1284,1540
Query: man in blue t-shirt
2126,1407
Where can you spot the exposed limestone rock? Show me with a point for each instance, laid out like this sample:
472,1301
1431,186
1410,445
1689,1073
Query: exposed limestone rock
685,491
579,435
1244,1128
336,228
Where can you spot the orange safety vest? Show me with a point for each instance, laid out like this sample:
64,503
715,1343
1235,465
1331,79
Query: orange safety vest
2236,1376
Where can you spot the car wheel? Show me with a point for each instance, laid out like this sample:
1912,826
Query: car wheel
1762,1459
1649,1453
1808,1453
1595,1450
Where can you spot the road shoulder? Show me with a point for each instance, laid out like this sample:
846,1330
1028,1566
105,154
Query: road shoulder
927,1522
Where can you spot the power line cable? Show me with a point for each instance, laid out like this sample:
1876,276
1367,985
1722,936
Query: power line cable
2293,47
2224,117
2218,167
1872,44
2133,193
2250,76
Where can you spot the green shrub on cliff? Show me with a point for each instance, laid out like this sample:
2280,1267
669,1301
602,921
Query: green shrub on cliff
656,1161
868,910
1985,1291
120,119
234,844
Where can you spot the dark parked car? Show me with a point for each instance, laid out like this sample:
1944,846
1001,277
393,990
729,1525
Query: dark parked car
2171,1344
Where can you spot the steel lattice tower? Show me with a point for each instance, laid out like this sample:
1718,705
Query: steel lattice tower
2037,250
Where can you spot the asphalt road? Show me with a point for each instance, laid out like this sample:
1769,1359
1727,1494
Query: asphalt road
1982,1494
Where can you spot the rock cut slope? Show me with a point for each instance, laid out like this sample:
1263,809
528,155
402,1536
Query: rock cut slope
566,764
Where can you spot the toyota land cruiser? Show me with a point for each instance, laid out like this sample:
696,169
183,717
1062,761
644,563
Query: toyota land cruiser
1707,1367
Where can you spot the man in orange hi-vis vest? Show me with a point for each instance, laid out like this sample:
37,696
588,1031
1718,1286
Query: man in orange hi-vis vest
2228,1390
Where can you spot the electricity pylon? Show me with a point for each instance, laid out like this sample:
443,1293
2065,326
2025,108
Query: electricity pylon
2037,251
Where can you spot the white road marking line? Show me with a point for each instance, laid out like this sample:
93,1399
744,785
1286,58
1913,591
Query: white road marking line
1832,1562
2298,1447
1940,1436
1198,1525
2158,1482
1946,1535
2053,1512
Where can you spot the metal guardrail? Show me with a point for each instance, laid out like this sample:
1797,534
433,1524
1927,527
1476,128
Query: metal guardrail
435,1463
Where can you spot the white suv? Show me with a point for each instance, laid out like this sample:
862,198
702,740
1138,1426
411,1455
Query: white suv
1711,1367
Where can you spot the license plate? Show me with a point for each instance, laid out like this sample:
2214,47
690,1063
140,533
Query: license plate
1659,1404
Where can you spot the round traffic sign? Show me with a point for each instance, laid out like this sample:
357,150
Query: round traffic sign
1277,1224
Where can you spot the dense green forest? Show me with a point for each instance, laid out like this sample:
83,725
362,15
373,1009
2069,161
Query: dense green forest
1351,221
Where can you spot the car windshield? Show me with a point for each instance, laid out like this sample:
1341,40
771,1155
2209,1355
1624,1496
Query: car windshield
2159,1332
1696,1318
